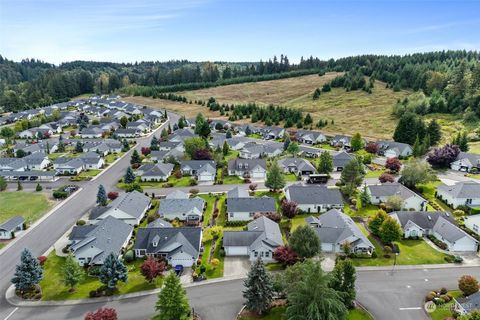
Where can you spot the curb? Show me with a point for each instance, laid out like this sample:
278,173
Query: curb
417,267
16,301
44,217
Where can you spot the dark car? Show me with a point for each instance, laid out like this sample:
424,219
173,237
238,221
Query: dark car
179,269
33,178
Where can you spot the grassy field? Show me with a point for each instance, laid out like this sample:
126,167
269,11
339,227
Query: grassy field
30,206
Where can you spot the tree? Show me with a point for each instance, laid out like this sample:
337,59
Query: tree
375,222
394,203
3,184
19,186
112,271
7,132
275,179
102,314
112,195
325,165
202,127
228,135
390,230
28,272
308,119
39,187
286,142
152,268
356,142
289,208
72,272
61,144
154,144
393,164
442,157
202,154
310,295
125,145
101,196
225,148
352,176
129,176
79,147
20,153
417,149
365,196
285,255
468,285
172,301
135,161
415,172
463,142
385,177
305,242
371,148
316,94
164,134
192,145
408,128
343,280
123,121
258,291
293,148
434,131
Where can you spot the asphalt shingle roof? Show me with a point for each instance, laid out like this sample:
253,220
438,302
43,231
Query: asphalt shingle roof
314,195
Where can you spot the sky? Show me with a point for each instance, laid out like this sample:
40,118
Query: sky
58,31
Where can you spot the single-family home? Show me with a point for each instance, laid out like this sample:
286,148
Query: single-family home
334,229
340,160
380,193
255,169
314,198
155,172
91,133
465,193
203,170
419,223
159,223
244,209
9,227
252,151
158,155
341,141
393,149
92,160
298,166
466,305
37,161
310,152
455,238
310,137
68,166
466,162
177,205
92,244
473,223
261,239
179,246
127,133
272,133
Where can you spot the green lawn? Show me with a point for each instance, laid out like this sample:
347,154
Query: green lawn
213,270
365,211
54,289
412,252
110,158
89,173
222,211
232,154
443,312
210,201
232,180
474,147
290,177
182,182
428,191
277,195
31,206
373,173
277,314
358,314
299,220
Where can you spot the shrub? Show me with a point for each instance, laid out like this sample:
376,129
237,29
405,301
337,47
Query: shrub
193,182
445,297
429,297
112,195
178,174
58,194
81,222
42,260
129,256
65,250
439,301
215,261
385,177
194,191
374,254
468,285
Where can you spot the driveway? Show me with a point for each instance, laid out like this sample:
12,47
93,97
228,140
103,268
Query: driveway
236,266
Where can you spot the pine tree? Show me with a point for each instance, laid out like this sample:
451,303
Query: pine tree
275,179
39,187
61,144
286,142
28,273
352,176
129,176
226,148
325,164
228,135
125,145
417,148
316,94
308,119
365,196
463,142
72,272
79,147
172,301
123,121
258,288
154,144
435,132
19,186
426,144
101,196
135,160
112,271
343,280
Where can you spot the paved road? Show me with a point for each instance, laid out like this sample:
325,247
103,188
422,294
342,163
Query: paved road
39,239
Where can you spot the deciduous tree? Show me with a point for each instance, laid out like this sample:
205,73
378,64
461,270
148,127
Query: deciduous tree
325,165
305,242
275,179
468,284
152,268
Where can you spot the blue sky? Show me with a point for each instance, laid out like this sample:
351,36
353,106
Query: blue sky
235,30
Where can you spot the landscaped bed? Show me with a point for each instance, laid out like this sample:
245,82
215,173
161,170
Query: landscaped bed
277,314
31,206
444,311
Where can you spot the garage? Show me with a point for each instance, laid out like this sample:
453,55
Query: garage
181,258
258,175
236,251
327,247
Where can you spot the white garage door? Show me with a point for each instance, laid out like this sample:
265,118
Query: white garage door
258,175
327,247
236,251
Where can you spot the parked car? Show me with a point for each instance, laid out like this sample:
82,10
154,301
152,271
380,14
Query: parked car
179,269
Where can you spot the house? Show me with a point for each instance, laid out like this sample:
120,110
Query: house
310,152
314,198
340,160
334,228
92,160
91,245
159,223
37,161
244,209
237,192
272,149
298,166
91,133
158,155
467,305
203,170
473,222
466,162
392,149
177,205
466,193
419,223
255,169
310,137
128,133
68,166
182,134
455,238
341,141
138,125
179,246
272,133
252,151
129,207
261,239
380,193
9,227
156,172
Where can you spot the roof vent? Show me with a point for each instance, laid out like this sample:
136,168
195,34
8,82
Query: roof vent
447,214
429,218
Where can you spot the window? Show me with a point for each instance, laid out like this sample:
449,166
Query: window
255,254
261,254
231,214
469,201
267,254
475,227
251,214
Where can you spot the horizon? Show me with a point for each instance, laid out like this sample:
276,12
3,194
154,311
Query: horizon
210,30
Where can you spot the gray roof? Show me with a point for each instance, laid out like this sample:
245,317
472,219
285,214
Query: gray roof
465,189
424,219
238,192
259,231
389,189
336,227
470,303
246,164
80,232
342,159
314,195
177,194
158,154
386,144
169,240
133,203
263,204
108,236
12,223
159,169
449,231
197,164
299,164
159,223
474,159
176,206
97,212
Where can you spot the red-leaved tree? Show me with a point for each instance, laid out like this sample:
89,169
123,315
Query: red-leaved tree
289,208
442,157
371,147
285,255
112,195
393,164
102,314
385,177
152,268
202,154
253,187
146,151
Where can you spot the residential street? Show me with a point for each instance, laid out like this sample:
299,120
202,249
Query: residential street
39,239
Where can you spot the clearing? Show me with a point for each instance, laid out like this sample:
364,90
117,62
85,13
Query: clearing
31,206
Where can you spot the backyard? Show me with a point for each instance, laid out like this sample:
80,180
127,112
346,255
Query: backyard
31,206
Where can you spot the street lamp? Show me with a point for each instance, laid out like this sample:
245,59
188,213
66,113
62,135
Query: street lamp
396,251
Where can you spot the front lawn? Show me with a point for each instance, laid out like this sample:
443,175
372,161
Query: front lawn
443,311
54,289
365,212
110,158
232,180
182,182
290,177
373,173
299,220
277,313
31,206
232,154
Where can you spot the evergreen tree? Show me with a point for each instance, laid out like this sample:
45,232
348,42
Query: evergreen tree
286,142
308,119
172,301
258,288
435,132
79,147
228,135
352,176
3,184
343,279
39,187
19,186
417,148
365,196
293,148
316,94
129,176
164,134
356,142
154,144
463,142
275,179
112,271
72,272
61,144
426,144
123,121
135,160
28,272
125,145
225,148
305,242
101,196
325,165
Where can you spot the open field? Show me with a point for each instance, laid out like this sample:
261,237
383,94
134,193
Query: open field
30,206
